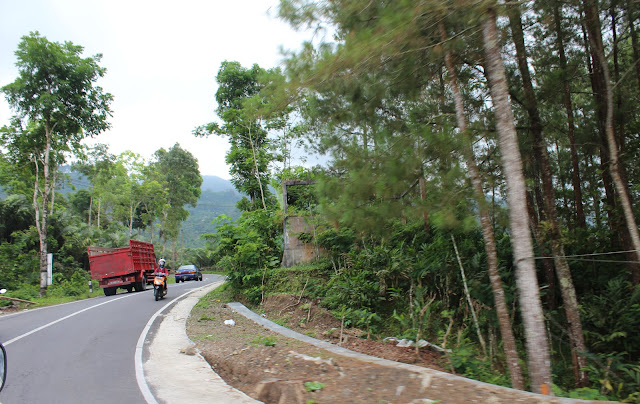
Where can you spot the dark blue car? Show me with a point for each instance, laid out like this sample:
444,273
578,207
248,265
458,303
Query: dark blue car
188,272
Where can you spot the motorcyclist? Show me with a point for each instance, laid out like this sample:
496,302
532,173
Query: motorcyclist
163,269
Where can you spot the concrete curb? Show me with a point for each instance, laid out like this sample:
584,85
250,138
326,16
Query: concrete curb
175,372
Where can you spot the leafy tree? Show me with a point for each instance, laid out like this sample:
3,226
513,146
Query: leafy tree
16,214
249,155
130,189
98,166
606,101
57,105
360,108
537,342
246,249
176,170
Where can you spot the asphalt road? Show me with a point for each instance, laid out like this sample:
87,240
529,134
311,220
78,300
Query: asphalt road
85,351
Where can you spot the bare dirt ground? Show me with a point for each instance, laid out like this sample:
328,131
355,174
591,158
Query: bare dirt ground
276,369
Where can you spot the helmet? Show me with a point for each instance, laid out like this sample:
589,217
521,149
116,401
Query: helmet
162,262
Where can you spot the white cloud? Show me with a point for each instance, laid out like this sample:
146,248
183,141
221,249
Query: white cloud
161,59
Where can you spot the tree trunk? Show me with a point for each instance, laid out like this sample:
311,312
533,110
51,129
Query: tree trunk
468,296
547,264
90,208
575,173
423,197
631,18
131,210
98,215
509,342
594,192
42,233
563,271
255,162
530,306
163,232
627,238
174,253
52,190
41,209
597,84
595,40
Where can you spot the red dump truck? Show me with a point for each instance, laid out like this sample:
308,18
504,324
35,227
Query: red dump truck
130,268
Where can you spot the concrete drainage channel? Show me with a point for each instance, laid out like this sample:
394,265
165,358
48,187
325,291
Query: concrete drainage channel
430,378
176,373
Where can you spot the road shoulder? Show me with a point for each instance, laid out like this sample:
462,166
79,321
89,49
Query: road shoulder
175,372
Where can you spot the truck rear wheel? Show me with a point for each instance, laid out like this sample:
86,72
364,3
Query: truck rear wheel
110,291
140,286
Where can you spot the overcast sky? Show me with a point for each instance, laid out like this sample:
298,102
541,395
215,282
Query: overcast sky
161,59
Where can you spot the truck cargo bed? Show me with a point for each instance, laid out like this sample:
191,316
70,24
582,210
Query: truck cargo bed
104,263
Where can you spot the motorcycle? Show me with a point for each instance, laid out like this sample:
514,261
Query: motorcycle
3,360
159,285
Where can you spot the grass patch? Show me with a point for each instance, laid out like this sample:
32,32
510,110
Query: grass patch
284,321
216,296
54,296
265,340
313,386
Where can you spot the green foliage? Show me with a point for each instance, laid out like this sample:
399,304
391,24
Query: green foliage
363,319
222,294
313,386
355,287
337,242
468,361
265,340
417,321
16,213
77,285
246,249
25,291
201,257
614,333
613,376
583,393
285,280
67,100
176,171
64,289
250,153
57,105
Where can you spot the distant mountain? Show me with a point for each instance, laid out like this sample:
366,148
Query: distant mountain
215,184
218,197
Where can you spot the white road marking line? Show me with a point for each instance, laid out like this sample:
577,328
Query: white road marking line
59,320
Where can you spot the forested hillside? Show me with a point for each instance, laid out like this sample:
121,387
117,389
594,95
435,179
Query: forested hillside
210,205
